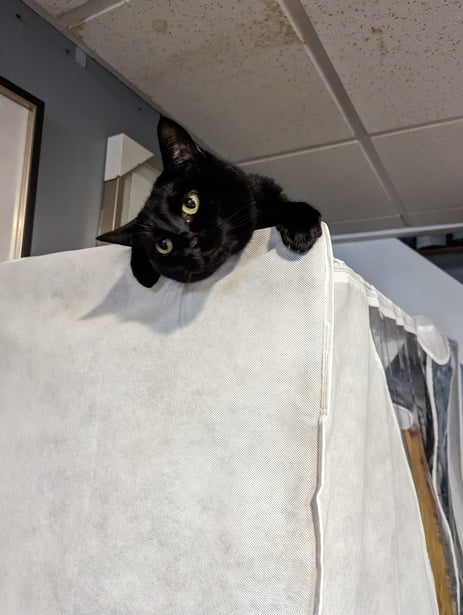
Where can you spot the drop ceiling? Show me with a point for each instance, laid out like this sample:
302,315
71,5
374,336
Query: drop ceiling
355,106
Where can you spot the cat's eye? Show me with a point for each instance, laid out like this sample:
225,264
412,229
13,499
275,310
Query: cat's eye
164,246
190,203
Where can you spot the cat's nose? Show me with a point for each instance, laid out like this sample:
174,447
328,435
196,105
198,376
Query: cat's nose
194,244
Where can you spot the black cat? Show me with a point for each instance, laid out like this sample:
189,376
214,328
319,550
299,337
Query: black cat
202,210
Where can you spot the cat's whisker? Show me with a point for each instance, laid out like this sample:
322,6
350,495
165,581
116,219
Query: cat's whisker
239,222
240,210
245,209
238,217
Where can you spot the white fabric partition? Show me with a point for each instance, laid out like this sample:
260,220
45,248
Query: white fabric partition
374,554
159,448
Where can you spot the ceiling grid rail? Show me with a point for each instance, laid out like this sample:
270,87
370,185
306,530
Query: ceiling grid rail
304,29
88,11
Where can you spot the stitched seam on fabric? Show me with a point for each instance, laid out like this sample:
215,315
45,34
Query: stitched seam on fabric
326,381
327,355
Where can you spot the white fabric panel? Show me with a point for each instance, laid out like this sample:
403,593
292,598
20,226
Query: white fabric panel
158,447
374,554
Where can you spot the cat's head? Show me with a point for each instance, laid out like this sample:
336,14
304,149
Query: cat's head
199,212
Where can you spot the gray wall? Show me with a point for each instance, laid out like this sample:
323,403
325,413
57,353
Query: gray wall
450,263
409,280
82,108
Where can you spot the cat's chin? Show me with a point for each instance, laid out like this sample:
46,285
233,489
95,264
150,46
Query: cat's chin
199,272
191,276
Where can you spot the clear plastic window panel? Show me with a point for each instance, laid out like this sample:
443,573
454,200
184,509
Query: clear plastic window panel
422,392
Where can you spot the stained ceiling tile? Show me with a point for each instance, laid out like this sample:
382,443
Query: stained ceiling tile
338,180
401,62
425,165
234,73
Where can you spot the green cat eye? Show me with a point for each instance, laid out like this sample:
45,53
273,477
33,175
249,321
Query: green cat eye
164,246
190,203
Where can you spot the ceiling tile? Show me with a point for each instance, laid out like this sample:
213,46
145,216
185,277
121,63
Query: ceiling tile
425,165
234,73
401,62
337,179
366,225
57,7
436,217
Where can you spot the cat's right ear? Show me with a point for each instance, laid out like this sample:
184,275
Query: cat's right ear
177,147
122,235
141,267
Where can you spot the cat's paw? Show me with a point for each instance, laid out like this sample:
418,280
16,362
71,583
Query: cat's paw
301,232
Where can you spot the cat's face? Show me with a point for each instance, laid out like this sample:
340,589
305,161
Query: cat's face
200,211
195,218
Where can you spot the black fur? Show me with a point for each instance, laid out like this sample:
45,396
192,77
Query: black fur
233,204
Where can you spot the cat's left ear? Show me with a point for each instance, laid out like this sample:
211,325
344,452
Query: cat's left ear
122,235
177,147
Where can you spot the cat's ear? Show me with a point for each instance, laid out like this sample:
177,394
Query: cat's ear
122,235
177,147
142,269
139,262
